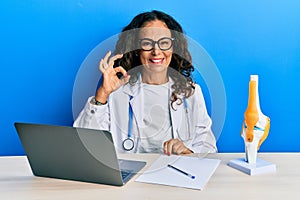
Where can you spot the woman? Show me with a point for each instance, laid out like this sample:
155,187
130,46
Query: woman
147,98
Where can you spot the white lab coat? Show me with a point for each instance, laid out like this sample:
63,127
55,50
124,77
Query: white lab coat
114,117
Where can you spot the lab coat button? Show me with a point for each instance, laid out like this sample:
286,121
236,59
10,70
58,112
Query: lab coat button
92,111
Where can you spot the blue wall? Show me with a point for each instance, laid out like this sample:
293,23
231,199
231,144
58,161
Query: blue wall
43,44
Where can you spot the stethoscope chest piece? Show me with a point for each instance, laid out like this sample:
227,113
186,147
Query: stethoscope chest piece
128,144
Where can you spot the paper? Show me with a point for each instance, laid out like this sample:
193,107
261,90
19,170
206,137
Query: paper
160,173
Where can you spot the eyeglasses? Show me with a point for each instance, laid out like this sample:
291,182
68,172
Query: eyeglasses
163,44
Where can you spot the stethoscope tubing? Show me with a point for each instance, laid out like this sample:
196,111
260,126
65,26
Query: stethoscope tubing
128,143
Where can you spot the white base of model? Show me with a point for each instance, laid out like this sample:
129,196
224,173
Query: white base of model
260,167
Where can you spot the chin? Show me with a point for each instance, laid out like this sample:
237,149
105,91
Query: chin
158,68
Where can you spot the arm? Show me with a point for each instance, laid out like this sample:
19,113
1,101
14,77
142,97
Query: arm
96,113
203,139
93,116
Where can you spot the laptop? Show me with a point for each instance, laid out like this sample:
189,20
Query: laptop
75,154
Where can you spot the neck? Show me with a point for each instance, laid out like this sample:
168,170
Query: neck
154,79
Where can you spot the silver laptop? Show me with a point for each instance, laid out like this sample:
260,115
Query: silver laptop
75,154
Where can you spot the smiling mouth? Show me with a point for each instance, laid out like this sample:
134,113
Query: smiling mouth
157,61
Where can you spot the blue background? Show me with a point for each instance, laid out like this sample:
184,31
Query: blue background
43,44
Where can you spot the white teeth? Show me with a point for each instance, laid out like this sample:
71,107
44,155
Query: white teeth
156,60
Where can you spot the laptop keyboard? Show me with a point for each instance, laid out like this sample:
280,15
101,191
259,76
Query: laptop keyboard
125,174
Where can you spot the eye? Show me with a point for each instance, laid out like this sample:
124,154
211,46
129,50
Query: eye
165,42
146,43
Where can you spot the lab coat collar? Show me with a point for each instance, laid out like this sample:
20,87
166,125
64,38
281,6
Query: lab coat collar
133,90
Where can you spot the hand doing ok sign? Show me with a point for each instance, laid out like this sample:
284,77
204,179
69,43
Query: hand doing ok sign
111,82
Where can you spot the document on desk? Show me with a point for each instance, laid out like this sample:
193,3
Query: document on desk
180,171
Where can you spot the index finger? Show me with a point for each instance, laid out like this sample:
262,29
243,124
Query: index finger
113,59
168,147
121,70
106,56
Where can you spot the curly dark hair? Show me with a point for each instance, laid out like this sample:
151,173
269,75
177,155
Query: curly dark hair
181,59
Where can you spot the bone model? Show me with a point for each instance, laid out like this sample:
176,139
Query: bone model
256,125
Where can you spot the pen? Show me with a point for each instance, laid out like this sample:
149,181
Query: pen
183,172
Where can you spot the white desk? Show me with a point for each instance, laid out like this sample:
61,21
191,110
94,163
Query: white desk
17,182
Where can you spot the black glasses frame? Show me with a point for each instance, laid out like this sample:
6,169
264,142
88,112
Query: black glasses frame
156,42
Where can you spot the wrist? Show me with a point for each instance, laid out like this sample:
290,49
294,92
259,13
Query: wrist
101,95
94,101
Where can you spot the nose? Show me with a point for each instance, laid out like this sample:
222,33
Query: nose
156,50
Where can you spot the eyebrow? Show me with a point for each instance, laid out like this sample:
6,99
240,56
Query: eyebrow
155,40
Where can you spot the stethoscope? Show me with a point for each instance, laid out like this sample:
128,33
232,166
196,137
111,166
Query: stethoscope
128,143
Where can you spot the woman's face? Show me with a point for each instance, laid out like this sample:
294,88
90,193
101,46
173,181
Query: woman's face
155,60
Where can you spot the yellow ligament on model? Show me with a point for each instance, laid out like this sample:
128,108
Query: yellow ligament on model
251,114
266,132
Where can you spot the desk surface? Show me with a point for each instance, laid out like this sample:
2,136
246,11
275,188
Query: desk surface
17,182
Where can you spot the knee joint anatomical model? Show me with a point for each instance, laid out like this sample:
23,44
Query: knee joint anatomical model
256,125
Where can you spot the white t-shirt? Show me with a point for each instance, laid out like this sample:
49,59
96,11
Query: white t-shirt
157,121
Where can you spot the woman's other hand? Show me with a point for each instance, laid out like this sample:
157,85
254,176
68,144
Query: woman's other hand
175,146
